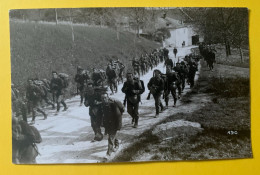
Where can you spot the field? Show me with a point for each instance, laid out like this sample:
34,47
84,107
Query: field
39,48
218,129
234,59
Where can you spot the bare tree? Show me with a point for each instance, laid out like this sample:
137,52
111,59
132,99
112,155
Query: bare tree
220,25
239,31
138,17
71,25
56,16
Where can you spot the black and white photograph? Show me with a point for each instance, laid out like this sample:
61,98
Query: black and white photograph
132,84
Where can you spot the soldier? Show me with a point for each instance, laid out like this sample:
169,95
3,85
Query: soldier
81,78
93,100
111,73
98,77
177,69
133,90
175,51
143,64
24,139
183,44
165,53
121,70
161,55
136,66
171,86
45,89
168,62
193,68
18,103
211,59
33,95
57,89
182,71
112,119
156,86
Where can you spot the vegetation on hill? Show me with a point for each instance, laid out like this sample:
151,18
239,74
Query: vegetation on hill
39,48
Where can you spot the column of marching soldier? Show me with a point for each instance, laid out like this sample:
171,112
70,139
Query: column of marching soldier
103,110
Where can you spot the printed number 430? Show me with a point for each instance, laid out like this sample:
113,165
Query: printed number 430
232,132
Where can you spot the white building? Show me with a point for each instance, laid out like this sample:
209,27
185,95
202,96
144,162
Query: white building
183,35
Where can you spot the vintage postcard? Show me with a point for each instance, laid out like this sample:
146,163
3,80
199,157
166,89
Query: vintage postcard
92,85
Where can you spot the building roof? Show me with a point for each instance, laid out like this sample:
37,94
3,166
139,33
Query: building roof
169,23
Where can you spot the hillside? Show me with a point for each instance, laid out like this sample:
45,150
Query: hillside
39,48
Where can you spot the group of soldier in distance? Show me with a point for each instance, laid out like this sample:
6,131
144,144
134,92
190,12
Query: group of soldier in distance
104,111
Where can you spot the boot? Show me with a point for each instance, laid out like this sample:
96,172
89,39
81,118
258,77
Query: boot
98,137
32,122
45,117
162,108
65,108
116,145
156,116
136,123
133,120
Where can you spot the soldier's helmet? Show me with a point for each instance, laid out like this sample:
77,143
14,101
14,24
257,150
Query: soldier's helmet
156,71
90,82
79,68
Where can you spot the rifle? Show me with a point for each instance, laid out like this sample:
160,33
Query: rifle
148,97
163,97
124,101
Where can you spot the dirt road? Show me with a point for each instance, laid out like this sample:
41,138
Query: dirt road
67,136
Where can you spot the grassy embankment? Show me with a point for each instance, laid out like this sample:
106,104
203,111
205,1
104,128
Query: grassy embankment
225,121
37,49
234,59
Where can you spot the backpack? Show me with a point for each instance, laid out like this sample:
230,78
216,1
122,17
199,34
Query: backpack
165,81
65,79
111,72
31,132
42,88
140,84
100,75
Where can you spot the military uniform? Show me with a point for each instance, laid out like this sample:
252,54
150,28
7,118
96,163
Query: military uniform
121,70
182,72
57,89
18,104
81,78
175,52
193,68
211,59
98,77
156,86
168,62
111,73
33,95
24,150
171,86
136,65
45,88
133,90
94,102
112,119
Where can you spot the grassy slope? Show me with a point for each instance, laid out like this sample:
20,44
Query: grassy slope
37,49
